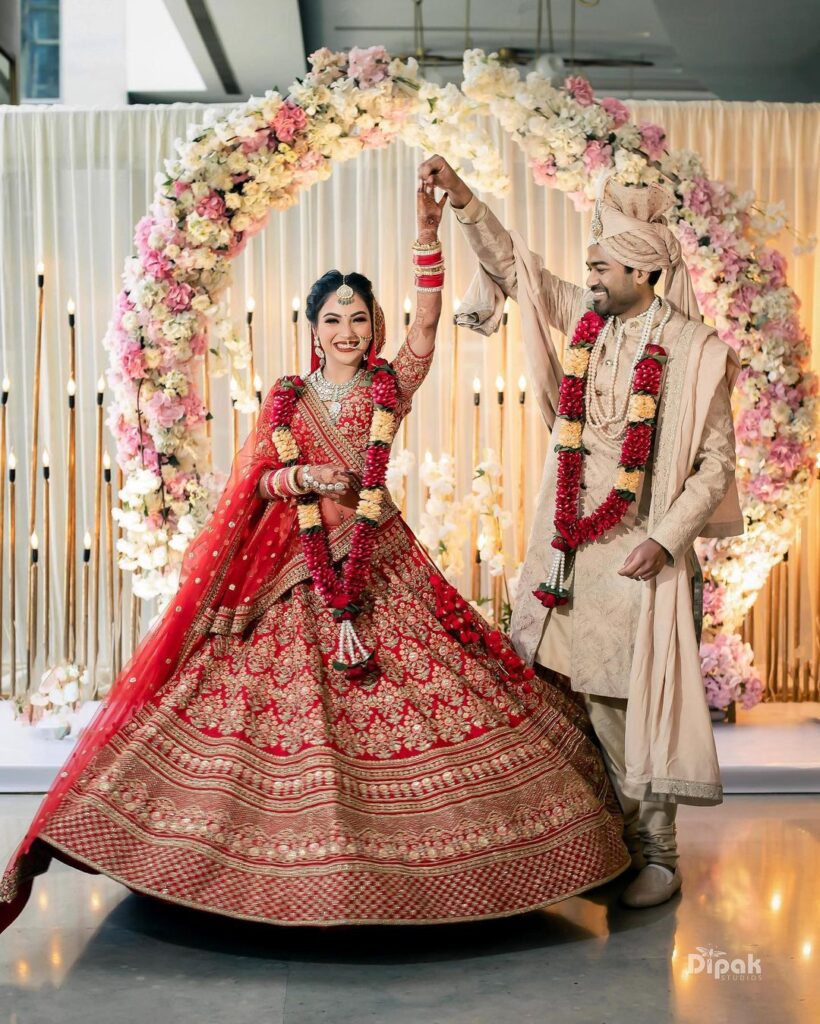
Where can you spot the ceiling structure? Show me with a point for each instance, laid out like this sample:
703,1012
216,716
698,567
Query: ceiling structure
680,49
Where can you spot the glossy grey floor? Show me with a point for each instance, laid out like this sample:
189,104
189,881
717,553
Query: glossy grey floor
86,950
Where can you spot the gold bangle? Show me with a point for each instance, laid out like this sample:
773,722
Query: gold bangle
426,246
436,268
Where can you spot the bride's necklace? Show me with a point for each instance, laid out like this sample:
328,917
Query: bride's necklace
332,394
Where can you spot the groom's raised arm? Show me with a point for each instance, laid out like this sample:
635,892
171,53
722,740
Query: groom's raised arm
491,243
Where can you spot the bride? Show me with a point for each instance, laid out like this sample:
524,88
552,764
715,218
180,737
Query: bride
319,730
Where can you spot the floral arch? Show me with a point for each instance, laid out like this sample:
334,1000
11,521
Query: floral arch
233,170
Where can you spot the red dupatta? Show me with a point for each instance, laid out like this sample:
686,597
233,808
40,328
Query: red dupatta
210,575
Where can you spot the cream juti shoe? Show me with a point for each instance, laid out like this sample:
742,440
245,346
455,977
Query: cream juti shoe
654,885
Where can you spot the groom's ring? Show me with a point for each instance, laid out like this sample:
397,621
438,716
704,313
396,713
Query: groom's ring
640,578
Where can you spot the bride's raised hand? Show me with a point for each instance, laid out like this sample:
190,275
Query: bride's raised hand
429,211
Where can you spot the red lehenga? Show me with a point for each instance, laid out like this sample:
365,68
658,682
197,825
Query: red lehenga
234,770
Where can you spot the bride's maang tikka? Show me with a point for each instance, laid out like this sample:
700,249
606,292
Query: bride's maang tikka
344,293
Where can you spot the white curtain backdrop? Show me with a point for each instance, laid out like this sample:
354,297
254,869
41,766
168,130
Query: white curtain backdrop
75,182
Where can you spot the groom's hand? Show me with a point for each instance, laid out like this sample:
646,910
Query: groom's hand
438,173
645,561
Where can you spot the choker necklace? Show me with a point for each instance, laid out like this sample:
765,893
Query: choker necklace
332,394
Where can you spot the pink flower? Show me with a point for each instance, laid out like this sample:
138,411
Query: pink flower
368,67
289,120
211,206
132,361
258,141
373,138
143,229
618,111
699,199
580,90
598,154
543,171
166,411
156,265
311,160
179,297
653,139
180,187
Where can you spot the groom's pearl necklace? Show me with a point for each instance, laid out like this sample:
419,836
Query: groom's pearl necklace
606,416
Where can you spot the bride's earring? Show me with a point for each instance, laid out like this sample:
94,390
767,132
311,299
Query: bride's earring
317,348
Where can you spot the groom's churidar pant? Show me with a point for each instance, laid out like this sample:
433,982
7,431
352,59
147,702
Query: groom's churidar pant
649,825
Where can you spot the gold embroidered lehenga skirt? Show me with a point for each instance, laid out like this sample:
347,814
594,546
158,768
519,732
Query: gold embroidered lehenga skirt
260,783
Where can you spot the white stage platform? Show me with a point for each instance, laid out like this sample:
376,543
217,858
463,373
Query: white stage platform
774,748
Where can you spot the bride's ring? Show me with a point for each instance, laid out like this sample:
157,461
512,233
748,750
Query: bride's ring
640,578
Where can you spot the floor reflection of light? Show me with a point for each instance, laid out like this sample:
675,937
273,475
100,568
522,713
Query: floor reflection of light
22,970
96,902
674,952
42,901
776,902
806,949
684,974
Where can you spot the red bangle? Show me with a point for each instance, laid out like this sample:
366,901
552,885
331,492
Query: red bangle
431,281
428,259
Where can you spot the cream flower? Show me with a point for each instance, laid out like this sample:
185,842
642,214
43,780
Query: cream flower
628,481
641,407
570,433
309,516
576,362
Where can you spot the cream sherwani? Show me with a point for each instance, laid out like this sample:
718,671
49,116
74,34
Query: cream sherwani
604,639
591,639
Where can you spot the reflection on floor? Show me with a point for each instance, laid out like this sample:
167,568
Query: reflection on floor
87,950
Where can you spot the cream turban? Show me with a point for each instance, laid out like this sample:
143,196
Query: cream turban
629,223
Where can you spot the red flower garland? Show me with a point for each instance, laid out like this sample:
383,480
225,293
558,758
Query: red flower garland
571,530
461,622
342,593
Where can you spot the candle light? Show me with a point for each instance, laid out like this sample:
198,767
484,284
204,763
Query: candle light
504,335
475,560
13,570
522,480
31,635
428,459
257,387
295,328
35,398
69,577
110,566
84,604
250,306
72,338
6,387
95,578
454,383
498,580
407,308
46,558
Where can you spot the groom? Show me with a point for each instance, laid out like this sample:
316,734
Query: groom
625,638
